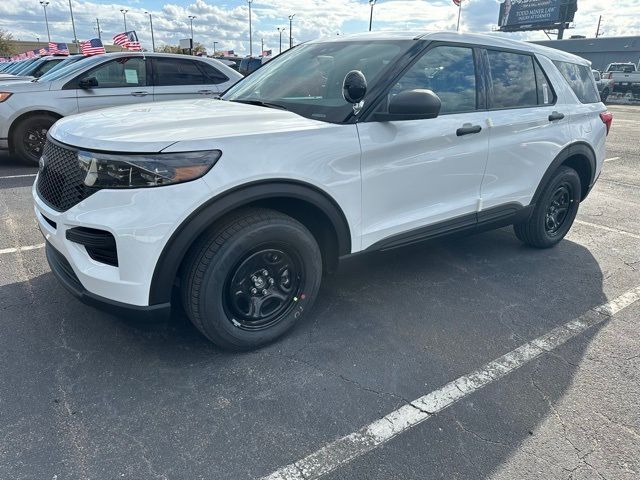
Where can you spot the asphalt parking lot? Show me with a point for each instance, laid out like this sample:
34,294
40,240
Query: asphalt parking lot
86,395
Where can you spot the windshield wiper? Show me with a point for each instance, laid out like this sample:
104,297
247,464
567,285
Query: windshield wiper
260,103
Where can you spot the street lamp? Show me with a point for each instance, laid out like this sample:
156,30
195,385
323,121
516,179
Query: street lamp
191,18
280,30
291,30
250,31
214,48
124,15
46,20
372,3
153,40
73,24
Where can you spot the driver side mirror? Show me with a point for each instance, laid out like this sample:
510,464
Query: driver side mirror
415,104
88,83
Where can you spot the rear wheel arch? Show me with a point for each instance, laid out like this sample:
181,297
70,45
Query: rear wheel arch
579,156
312,207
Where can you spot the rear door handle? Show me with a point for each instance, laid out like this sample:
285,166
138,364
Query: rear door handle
468,129
556,116
139,94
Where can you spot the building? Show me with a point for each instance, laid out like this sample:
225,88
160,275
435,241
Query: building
600,51
20,46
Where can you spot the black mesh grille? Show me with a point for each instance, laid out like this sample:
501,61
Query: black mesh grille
61,181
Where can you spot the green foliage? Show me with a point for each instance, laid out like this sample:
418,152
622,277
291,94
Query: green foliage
5,43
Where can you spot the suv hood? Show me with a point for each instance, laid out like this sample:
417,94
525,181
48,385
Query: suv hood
152,127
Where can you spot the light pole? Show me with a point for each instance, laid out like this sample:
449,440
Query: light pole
372,3
153,40
191,18
73,24
124,16
214,48
46,19
98,28
250,31
291,30
280,30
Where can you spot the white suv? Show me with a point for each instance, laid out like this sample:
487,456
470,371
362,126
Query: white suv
336,147
29,108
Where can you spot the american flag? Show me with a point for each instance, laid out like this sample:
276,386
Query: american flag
43,51
128,40
58,48
30,54
267,53
229,53
92,47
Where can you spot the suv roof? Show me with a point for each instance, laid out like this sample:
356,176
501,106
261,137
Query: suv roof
472,38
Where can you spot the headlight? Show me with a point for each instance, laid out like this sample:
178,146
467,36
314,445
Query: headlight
144,170
4,96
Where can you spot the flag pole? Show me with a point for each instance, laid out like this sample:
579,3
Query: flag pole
459,13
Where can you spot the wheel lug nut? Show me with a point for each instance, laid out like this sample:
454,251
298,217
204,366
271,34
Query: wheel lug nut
254,279
265,273
254,291
264,292
271,281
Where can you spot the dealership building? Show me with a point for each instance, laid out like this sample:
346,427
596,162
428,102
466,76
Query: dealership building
600,51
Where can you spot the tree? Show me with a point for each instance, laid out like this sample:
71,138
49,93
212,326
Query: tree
6,49
198,48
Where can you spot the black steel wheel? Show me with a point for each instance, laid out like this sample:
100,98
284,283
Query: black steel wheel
251,278
554,212
30,135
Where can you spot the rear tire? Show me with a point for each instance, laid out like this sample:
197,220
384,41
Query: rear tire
251,278
30,135
554,212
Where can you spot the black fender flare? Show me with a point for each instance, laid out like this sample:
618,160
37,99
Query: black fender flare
194,225
578,148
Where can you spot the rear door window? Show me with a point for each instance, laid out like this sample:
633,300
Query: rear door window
513,80
176,71
580,79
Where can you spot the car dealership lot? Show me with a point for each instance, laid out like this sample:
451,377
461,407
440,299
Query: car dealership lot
84,394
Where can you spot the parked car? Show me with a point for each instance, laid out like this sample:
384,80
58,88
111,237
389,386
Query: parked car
28,109
336,147
249,65
605,85
34,70
625,77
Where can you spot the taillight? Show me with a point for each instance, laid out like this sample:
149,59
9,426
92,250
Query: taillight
607,119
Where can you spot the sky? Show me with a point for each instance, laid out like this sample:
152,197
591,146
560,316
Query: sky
227,22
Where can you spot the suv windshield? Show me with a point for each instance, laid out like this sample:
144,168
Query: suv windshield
308,79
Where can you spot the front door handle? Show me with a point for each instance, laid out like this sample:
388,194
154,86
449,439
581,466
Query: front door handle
468,129
206,92
139,94
556,116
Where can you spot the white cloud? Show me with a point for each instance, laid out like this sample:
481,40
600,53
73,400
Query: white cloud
228,25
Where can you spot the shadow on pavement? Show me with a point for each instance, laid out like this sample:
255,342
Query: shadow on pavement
90,393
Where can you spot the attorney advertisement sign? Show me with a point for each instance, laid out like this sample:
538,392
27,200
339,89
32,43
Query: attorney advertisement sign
532,14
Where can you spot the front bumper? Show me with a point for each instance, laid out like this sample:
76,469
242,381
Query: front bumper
65,274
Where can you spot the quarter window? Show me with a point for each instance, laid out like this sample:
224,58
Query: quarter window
513,80
580,80
546,95
122,72
174,71
214,75
447,71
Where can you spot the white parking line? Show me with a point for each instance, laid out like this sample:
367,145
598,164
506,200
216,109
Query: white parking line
21,249
369,437
608,229
17,176
611,159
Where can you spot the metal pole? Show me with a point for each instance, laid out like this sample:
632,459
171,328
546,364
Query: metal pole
46,19
561,32
99,31
153,40
597,30
262,51
250,32
280,30
73,24
291,30
459,14
124,15
372,3
214,48
191,17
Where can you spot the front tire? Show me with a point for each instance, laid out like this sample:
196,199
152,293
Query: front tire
554,212
30,135
251,278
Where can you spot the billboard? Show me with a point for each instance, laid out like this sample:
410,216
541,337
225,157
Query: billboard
518,15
